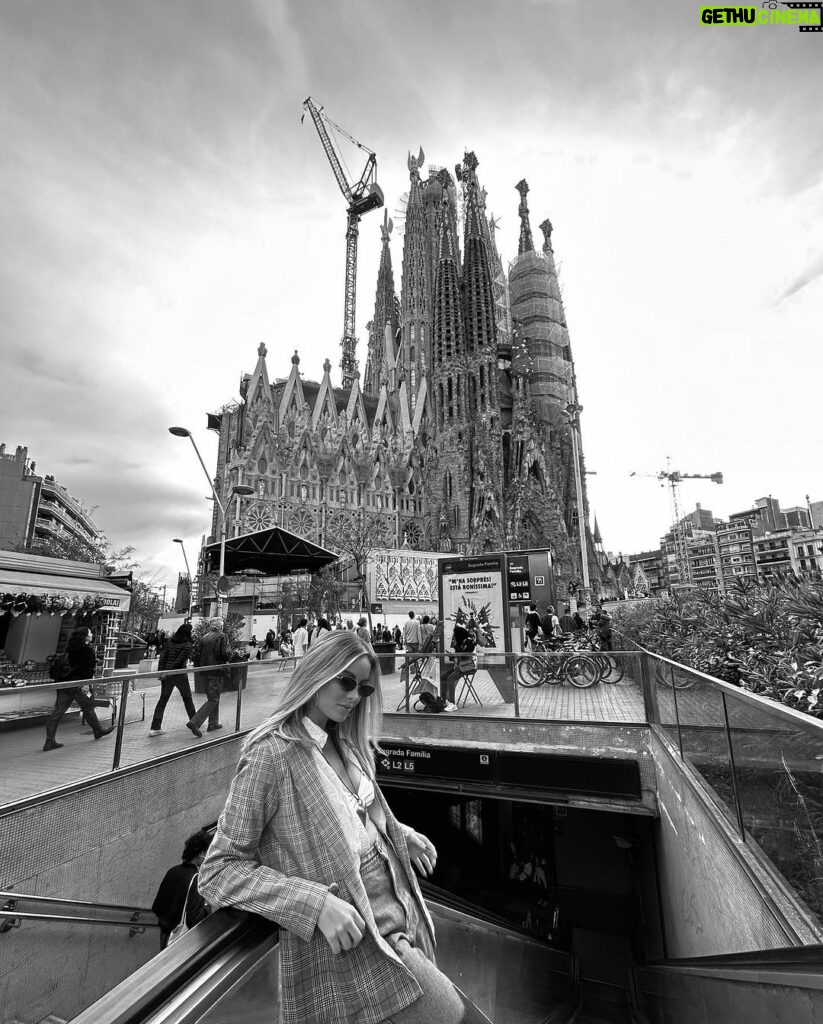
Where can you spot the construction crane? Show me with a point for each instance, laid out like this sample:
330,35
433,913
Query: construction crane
363,195
674,478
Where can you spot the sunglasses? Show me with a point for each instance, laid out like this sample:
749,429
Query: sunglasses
349,683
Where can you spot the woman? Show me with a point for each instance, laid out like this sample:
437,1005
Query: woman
300,639
175,655
83,662
307,839
363,630
178,889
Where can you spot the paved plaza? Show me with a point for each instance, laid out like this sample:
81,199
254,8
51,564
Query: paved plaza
26,770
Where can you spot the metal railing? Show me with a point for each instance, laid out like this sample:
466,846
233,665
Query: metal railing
136,919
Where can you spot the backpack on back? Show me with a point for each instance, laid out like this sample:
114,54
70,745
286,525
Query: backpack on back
59,668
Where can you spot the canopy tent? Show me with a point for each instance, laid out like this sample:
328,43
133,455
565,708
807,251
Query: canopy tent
107,596
275,552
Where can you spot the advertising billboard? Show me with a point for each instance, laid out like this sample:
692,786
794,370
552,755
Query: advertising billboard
473,588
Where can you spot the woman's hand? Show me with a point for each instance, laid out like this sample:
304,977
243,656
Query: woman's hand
341,925
422,853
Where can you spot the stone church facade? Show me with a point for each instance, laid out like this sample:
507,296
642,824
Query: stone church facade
456,438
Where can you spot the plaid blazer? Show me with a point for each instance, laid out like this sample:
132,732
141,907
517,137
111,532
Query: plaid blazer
282,841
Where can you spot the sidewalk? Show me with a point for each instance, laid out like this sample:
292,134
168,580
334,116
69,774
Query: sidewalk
26,770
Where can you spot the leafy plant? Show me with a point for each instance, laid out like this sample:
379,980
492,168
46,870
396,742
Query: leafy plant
766,638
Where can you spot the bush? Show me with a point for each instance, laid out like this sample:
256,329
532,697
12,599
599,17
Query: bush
766,638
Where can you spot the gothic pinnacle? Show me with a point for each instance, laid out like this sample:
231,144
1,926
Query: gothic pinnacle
526,243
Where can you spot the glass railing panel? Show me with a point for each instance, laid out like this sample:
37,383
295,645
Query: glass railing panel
703,733
778,761
662,679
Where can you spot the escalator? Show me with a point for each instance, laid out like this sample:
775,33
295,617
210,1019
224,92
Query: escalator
224,971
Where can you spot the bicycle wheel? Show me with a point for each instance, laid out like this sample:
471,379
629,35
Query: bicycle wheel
614,669
530,671
581,671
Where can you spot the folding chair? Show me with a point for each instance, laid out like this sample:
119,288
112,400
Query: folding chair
467,689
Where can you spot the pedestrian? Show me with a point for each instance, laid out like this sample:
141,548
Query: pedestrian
174,655
398,637
271,640
388,638
82,660
300,638
604,630
550,624
412,642
532,625
463,643
323,627
308,840
429,673
363,630
349,625
179,889
212,650
578,622
566,624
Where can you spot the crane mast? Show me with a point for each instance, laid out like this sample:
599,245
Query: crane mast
361,196
681,549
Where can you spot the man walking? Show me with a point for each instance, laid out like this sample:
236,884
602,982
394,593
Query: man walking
566,624
212,649
412,641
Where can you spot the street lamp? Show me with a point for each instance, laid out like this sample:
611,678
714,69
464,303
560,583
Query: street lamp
237,489
572,412
178,540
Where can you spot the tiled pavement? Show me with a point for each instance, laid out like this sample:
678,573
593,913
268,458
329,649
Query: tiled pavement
26,770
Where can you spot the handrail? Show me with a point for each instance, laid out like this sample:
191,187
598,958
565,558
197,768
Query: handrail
29,898
463,906
780,710
222,937
123,675
16,917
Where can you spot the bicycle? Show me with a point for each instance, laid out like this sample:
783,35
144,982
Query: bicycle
555,665
664,673
611,668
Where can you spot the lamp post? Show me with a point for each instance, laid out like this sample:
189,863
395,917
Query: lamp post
237,489
572,412
178,540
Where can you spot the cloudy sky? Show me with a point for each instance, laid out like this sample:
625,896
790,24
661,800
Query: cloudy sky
163,212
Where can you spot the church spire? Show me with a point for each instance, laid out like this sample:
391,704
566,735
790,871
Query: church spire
526,243
385,312
414,298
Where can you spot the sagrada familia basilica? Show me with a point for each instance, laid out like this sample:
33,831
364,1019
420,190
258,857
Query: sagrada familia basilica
457,437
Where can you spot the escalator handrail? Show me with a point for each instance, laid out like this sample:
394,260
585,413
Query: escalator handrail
150,986
28,897
786,956
447,899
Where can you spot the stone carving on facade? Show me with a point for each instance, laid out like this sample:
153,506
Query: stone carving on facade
456,396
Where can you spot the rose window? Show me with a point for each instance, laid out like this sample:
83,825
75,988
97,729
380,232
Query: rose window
259,516
302,522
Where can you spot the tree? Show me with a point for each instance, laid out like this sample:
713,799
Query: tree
76,549
356,535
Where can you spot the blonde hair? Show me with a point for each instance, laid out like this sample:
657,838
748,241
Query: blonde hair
329,655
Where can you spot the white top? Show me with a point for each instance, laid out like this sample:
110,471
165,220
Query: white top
365,834
300,638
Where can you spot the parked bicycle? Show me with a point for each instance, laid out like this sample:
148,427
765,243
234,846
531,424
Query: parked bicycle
611,668
555,664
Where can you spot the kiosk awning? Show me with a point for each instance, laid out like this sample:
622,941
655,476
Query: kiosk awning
112,597
275,552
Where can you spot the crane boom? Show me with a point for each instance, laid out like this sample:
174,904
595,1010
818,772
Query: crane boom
681,550
364,195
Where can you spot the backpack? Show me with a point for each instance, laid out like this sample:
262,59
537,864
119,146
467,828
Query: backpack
59,668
